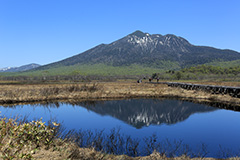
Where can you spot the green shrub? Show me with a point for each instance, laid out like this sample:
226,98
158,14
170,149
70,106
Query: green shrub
21,140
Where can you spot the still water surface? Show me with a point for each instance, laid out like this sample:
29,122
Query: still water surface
168,119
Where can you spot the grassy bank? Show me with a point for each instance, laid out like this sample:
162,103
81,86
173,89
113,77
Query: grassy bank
10,94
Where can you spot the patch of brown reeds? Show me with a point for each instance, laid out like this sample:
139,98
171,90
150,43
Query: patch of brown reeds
103,90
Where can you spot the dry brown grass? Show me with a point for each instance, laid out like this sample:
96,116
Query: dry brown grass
103,90
66,152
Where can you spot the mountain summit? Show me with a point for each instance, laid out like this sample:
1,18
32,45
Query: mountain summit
151,50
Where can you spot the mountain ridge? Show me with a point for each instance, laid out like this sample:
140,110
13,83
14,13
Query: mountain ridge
148,50
21,68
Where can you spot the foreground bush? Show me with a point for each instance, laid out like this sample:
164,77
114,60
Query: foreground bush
21,140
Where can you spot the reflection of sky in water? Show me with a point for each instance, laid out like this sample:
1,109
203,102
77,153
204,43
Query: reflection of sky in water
218,127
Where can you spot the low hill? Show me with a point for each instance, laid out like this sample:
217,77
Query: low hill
21,68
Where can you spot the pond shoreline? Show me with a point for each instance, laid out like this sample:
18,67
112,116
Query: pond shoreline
45,93
27,93
11,94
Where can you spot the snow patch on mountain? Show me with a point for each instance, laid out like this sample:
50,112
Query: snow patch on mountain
6,68
21,68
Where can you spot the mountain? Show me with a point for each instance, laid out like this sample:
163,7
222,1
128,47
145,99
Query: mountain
21,68
144,112
148,50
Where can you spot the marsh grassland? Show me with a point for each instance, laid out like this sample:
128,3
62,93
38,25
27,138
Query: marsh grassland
36,140
20,93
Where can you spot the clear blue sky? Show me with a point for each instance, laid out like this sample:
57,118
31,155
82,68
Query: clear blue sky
45,31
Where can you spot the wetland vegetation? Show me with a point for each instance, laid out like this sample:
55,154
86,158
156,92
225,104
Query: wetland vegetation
59,141
97,142
20,93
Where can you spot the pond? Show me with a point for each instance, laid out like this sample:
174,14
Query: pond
193,124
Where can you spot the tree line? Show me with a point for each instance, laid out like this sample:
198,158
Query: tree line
201,72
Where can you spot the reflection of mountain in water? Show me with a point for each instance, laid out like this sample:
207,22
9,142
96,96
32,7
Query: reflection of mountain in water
139,112
145,112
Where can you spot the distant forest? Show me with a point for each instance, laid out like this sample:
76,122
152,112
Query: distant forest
201,72
105,73
204,69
